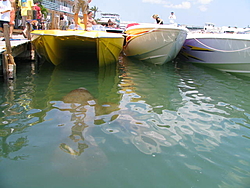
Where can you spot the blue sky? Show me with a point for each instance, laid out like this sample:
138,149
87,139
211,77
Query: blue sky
190,12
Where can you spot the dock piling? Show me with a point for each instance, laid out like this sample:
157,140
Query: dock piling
32,50
9,66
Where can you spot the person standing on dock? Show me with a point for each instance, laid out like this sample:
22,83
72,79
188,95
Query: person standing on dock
81,4
25,5
5,8
37,8
63,21
12,16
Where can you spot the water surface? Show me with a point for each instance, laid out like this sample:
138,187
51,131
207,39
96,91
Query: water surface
127,125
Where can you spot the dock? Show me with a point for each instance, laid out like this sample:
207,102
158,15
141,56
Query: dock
17,46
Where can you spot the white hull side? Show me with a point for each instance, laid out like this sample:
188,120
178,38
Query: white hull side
156,46
225,52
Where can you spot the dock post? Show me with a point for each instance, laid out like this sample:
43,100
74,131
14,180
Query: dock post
53,20
9,66
32,51
28,30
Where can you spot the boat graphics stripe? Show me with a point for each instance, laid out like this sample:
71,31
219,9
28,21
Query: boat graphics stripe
226,51
129,38
188,56
195,48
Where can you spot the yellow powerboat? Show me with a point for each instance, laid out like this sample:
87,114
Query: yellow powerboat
58,46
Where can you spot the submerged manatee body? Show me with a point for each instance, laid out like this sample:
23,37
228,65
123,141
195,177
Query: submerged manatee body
83,97
80,96
82,106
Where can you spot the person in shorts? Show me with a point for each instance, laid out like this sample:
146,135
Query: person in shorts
5,8
81,5
25,6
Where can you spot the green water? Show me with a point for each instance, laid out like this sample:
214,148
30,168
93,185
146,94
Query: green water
136,125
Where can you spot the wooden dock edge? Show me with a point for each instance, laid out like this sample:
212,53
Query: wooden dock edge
7,57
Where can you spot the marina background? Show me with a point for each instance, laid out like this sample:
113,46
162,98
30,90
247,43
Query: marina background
188,12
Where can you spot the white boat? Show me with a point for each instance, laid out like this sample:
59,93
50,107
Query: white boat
154,43
225,52
105,17
210,28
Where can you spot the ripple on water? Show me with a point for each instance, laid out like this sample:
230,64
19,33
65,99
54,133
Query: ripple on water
186,127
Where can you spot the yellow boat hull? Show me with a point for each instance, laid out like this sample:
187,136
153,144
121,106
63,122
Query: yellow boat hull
58,46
